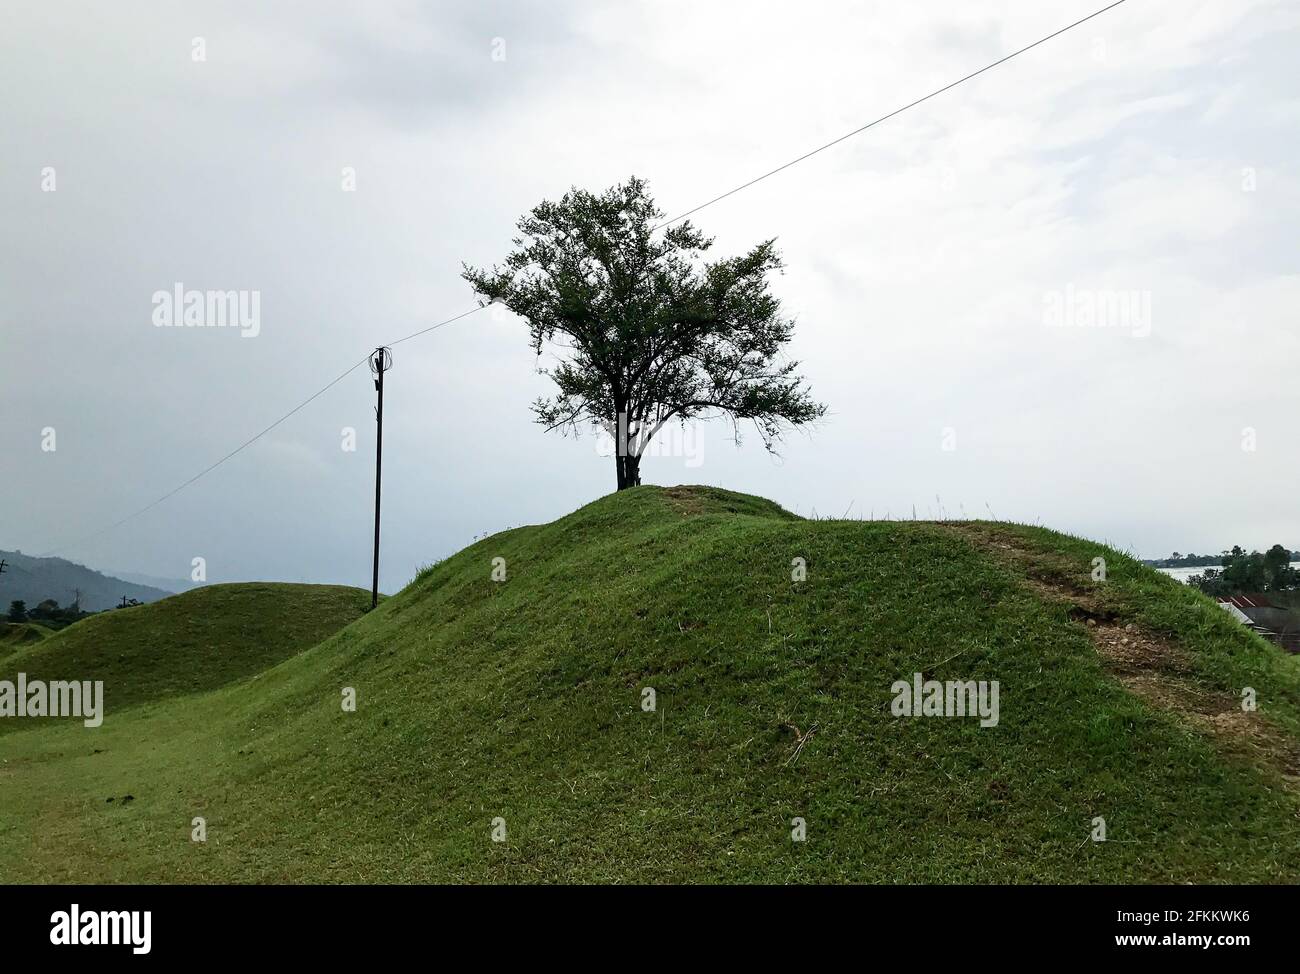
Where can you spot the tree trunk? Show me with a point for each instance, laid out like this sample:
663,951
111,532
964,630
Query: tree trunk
629,471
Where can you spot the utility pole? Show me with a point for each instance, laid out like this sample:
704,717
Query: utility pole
380,362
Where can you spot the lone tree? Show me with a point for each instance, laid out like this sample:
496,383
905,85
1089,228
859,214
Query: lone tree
17,611
647,331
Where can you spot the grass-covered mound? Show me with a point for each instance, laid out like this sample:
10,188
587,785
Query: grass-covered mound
521,700
197,641
15,635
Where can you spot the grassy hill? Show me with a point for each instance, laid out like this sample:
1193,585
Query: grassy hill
521,700
187,643
15,635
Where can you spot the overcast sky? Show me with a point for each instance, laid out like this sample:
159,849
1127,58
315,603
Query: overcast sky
940,266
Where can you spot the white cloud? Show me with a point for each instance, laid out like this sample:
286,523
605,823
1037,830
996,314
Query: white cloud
919,254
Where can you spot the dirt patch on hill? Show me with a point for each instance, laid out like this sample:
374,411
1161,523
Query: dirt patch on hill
1148,664
1128,650
688,500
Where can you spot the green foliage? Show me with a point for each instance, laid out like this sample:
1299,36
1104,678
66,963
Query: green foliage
17,611
1190,560
649,333
1244,571
49,613
522,699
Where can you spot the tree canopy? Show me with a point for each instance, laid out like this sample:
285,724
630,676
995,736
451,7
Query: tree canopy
1244,571
647,331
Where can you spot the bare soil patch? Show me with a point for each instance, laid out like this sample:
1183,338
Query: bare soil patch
1148,664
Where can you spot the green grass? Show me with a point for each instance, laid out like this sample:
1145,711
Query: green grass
22,633
521,699
197,641
16,635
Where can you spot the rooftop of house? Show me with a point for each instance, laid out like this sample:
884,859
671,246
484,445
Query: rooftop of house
1249,600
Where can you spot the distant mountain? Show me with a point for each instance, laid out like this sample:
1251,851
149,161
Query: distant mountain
35,579
173,585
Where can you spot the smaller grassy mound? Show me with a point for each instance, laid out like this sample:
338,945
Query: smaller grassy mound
189,643
16,635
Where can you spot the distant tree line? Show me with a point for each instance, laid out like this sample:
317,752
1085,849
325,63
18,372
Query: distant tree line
48,613
1253,571
1189,560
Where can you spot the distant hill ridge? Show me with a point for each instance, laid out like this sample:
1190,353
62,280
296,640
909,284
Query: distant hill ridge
195,641
34,579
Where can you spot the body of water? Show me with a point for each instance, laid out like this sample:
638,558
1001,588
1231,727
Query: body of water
1183,574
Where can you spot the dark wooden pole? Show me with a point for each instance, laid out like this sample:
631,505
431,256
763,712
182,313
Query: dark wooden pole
379,365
